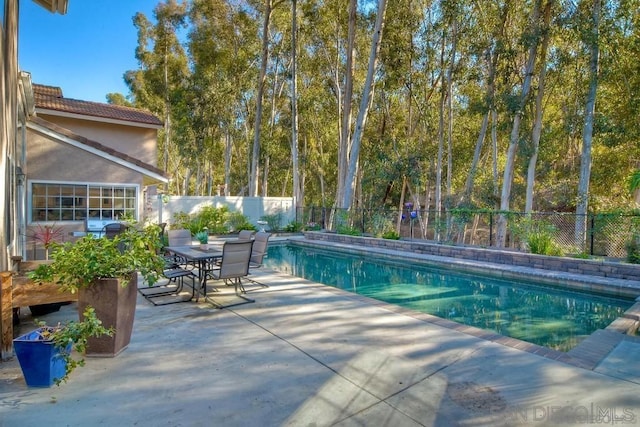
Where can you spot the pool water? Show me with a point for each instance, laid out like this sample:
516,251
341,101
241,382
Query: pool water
541,315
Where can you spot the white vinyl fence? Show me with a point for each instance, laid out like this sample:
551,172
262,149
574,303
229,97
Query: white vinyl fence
161,209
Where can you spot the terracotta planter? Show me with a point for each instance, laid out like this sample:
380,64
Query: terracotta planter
115,306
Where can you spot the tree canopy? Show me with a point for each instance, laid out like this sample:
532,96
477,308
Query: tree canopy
468,103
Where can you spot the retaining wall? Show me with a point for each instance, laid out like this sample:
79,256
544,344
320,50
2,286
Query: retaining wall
591,267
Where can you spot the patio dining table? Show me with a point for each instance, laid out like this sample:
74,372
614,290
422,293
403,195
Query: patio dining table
200,256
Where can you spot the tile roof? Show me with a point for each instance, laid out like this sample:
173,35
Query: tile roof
96,145
50,98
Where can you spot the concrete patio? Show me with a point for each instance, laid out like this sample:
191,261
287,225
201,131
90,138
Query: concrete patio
306,354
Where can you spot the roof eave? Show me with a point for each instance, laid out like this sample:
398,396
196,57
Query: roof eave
53,6
67,114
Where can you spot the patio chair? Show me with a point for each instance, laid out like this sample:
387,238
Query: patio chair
178,237
112,230
246,234
259,250
234,264
173,287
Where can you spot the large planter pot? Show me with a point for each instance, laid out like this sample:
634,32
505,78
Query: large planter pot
40,360
115,306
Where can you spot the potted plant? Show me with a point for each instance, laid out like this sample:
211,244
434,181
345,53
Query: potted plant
203,238
104,273
45,354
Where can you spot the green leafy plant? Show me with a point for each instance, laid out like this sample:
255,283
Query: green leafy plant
633,250
237,221
537,235
273,220
293,227
202,237
381,224
349,230
213,219
391,235
75,333
80,264
310,226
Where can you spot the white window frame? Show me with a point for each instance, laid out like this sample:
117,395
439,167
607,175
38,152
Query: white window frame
111,202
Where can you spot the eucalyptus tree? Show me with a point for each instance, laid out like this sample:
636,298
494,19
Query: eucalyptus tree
539,108
532,43
223,50
591,40
161,78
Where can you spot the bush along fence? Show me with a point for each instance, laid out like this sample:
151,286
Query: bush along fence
609,234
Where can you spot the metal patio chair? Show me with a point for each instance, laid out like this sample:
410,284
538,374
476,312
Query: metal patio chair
234,264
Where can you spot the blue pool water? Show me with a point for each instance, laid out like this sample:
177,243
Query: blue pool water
545,316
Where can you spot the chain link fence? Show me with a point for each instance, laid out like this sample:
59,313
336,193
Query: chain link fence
606,233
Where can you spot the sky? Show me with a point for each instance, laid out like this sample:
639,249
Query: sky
85,52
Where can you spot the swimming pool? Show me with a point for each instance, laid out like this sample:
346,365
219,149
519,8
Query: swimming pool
542,315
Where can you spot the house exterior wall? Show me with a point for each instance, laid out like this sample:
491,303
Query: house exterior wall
53,161
138,142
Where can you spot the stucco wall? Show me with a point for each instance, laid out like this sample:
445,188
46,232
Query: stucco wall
138,142
53,160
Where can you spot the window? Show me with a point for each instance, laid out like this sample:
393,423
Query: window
78,202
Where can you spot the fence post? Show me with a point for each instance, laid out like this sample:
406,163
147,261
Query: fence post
6,315
591,233
490,229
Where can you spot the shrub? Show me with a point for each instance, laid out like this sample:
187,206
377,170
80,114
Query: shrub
293,227
349,230
207,217
542,243
537,236
213,218
381,225
273,220
237,221
312,226
633,250
391,235
180,220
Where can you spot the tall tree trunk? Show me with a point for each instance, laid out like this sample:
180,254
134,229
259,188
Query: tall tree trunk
294,106
255,152
167,114
345,138
452,64
438,192
493,56
365,102
587,132
228,154
537,126
507,178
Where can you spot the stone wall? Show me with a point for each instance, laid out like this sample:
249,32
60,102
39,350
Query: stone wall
602,268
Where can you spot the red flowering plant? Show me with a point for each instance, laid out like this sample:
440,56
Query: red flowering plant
47,235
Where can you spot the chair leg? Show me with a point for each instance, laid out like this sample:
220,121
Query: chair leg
256,282
238,285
